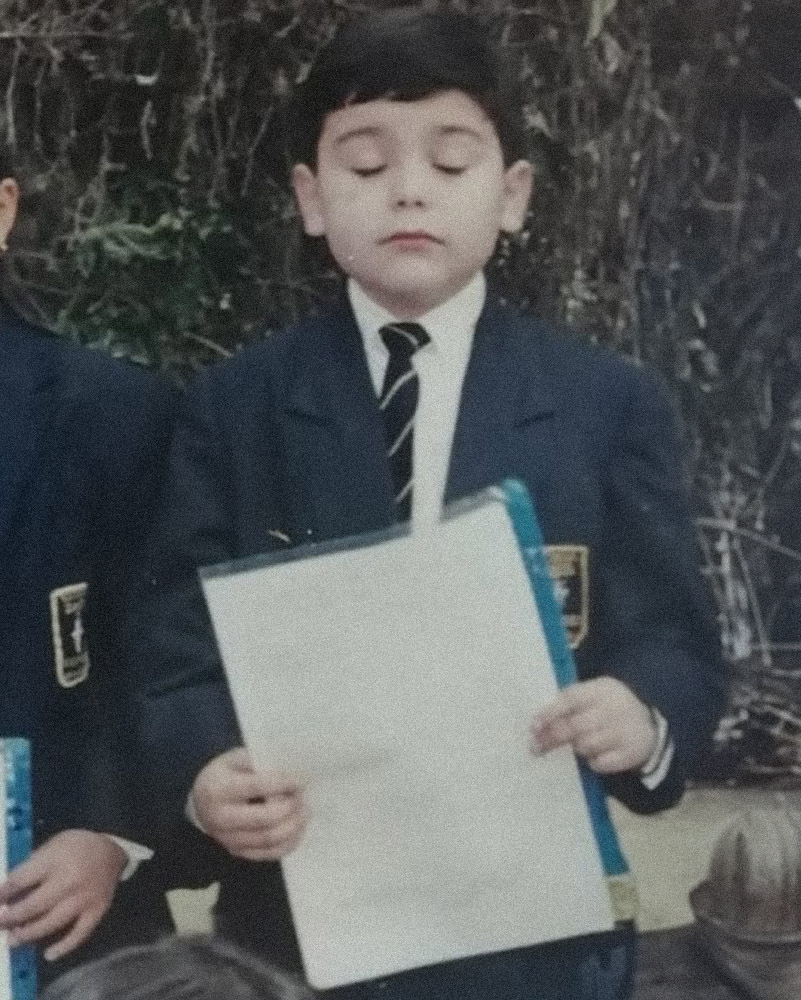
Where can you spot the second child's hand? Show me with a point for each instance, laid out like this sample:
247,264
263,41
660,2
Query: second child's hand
65,888
602,720
255,815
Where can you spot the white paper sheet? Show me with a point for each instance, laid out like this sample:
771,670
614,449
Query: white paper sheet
399,680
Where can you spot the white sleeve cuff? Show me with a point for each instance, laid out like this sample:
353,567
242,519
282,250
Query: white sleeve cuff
135,853
191,813
655,769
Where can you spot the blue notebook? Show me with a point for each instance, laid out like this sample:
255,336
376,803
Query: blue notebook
320,692
532,547
18,968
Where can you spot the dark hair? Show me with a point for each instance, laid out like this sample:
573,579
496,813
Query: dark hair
197,967
406,54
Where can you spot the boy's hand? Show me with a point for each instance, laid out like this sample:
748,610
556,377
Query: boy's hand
603,720
256,816
67,884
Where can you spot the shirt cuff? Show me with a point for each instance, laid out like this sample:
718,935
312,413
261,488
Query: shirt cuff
655,769
191,813
135,853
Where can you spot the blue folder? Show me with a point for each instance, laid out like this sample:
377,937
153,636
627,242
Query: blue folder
532,547
15,760
520,510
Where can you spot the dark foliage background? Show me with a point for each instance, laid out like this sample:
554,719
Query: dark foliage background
667,137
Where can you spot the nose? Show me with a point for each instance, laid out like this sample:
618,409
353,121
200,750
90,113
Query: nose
411,184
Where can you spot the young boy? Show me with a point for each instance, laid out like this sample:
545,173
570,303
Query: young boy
419,387
82,441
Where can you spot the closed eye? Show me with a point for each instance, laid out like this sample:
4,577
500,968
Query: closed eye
368,171
444,168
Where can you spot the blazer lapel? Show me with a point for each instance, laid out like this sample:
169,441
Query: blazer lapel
335,432
507,409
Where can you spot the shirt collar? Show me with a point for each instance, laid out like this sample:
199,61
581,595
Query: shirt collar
450,326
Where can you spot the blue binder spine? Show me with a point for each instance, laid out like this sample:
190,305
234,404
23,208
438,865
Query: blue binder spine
15,755
527,530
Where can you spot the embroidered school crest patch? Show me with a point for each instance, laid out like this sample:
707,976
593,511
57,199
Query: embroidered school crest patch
570,572
69,635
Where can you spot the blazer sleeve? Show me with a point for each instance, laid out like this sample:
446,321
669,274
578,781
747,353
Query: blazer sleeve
184,714
658,630
126,419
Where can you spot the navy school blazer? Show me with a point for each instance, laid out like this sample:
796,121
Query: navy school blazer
286,439
83,443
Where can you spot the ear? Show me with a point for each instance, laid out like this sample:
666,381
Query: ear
9,201
517,183
307,195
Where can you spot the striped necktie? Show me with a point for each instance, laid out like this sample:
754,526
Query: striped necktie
398,404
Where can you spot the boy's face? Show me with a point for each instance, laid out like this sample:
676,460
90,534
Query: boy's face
411,196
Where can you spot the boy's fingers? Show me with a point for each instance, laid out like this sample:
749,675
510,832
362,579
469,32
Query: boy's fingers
575,698
278,783
266,782
78,933
243,788
34,905
564,730
598,741
25,877
267,840
276,838
275,854
273,848
258,816
63,913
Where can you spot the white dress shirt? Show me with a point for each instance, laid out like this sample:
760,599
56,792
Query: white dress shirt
135,854
441,367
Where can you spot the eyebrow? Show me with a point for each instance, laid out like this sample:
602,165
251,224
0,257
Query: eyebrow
371,131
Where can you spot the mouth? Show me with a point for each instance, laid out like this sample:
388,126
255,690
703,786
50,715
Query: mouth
412,239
